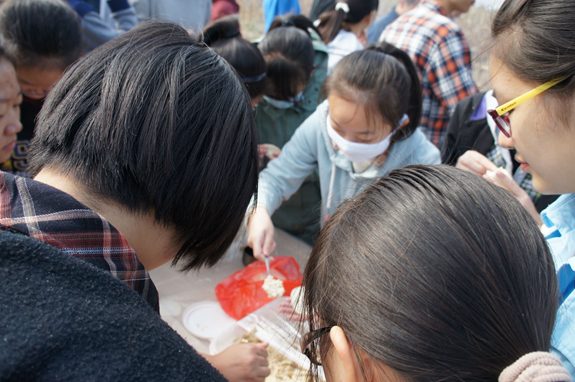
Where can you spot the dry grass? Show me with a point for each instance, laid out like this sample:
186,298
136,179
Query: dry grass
475,24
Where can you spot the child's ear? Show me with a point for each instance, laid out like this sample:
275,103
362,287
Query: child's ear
344,357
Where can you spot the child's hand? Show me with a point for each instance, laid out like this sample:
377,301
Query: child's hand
261,233
476,163
287,308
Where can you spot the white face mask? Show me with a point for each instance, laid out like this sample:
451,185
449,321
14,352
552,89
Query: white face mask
360,152
284,104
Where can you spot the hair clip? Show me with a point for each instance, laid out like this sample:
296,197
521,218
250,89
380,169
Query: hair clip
343,6
251,80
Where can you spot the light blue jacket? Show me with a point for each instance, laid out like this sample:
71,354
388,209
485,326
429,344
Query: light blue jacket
561,215
311,148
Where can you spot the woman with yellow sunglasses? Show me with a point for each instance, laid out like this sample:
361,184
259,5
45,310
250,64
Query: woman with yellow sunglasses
533,76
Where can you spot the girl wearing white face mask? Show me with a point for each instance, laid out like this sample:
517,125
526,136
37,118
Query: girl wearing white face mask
366,128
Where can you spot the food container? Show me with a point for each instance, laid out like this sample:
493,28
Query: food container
271,326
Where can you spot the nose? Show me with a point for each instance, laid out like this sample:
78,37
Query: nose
506,143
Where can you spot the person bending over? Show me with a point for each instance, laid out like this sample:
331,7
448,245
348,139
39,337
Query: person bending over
123,161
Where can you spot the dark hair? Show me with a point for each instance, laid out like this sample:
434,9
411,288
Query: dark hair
330,23
36,32
292,20
156,121
289,56
436,273
224,37
383,79
534,39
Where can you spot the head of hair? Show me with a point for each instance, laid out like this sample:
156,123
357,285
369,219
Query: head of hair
289,56
533,39
330,23
384,80
292,20
145,121
224,37
435,273
40,32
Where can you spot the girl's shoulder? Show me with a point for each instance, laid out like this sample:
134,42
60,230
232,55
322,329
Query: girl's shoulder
416,149
345,41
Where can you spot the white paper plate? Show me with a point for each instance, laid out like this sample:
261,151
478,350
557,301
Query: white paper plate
206,319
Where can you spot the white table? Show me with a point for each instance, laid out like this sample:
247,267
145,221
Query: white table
178,290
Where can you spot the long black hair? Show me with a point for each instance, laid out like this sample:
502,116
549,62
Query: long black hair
435,273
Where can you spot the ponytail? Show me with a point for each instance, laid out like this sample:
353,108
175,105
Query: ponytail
224,37
345,12
330,23
415,93
384,80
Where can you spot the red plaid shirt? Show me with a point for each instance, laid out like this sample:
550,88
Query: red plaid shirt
56,218
442,57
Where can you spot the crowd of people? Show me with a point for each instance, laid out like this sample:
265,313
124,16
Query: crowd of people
138,133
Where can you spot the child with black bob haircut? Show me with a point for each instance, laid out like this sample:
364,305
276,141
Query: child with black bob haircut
152,145
225,38
432,274
366,128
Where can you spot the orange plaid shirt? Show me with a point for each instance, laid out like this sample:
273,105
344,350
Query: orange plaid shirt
442,57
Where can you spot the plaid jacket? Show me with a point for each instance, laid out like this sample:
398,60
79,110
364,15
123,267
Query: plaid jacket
442,57
55,218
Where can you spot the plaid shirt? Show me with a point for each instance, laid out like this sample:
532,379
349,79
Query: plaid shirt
55,218
442,57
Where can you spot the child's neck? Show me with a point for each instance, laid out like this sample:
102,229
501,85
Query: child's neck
356,28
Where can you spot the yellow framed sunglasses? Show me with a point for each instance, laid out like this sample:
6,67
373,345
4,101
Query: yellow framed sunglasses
499,114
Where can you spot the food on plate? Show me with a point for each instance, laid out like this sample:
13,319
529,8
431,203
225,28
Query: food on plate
273,287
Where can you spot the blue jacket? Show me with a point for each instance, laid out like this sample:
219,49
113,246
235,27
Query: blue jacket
310,148
561,216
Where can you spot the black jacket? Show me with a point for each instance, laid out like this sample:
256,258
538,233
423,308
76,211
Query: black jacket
62,319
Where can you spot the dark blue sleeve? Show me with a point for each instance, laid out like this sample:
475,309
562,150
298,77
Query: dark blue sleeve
379,25
118,5
80,7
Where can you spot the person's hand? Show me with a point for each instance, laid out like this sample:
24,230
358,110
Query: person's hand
476,163
262,151
242,362
261,233
505,181
286,307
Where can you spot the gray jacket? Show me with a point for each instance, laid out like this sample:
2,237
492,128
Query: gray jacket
310,148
